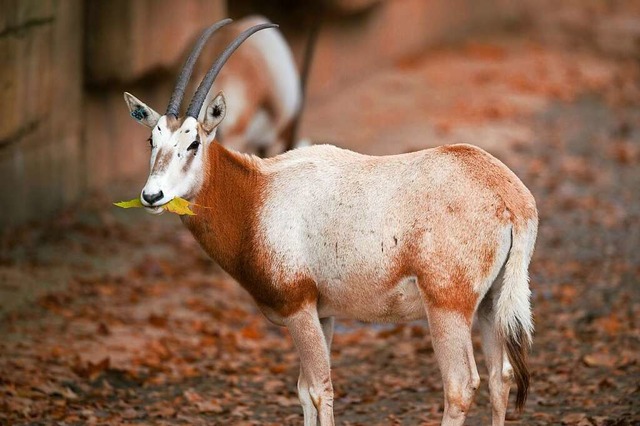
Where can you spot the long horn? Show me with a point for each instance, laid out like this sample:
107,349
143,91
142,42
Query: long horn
187,69
207,81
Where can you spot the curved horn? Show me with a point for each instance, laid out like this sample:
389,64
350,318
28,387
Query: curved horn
207,81
187,69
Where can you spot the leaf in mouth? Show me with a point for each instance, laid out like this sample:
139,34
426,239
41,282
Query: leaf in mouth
129,204
177,205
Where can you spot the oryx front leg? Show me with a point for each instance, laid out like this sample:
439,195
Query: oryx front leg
308,408
314,385
451,336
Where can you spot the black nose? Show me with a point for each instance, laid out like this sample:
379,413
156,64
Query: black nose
153,197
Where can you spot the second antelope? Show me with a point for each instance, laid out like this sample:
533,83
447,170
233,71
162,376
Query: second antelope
263,90
320,232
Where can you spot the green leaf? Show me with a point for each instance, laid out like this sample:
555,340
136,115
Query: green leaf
129,204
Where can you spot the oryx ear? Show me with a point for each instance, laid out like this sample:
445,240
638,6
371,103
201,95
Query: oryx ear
142,113
216,110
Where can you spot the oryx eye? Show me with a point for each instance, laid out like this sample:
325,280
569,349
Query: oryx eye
194,145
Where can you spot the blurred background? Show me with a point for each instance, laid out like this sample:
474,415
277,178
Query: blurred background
65,132
116,317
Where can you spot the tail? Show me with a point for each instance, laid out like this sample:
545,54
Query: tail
513,309
304,76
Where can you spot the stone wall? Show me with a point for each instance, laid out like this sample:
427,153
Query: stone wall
41,83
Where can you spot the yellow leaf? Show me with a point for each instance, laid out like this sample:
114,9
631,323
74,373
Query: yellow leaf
129,204
178,206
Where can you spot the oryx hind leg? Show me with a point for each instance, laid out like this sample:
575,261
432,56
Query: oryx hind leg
450,302
500,370
453,348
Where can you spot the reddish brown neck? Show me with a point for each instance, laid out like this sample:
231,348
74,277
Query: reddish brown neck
226,207
227,227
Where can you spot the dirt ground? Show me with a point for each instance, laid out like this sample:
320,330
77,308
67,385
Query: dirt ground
114,317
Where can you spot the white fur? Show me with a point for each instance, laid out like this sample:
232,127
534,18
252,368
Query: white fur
350,216
513,310
339,237
172,180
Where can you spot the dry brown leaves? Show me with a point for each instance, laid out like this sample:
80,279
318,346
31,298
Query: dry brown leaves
137,326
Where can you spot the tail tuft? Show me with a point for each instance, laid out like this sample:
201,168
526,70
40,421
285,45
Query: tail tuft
517,353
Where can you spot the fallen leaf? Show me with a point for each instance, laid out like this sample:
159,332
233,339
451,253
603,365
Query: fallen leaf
162,411
158,320
601,420
130,413
54,390
573,418
284,401
192,396
599,360
90,370
209,407
251,331
273,385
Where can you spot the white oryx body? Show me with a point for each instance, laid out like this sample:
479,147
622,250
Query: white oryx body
321,232
365,228
262,87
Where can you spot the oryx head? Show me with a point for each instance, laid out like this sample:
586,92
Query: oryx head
178,144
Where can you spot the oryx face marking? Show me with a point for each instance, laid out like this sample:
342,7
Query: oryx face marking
176,163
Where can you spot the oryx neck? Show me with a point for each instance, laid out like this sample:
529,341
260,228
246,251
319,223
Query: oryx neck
227,205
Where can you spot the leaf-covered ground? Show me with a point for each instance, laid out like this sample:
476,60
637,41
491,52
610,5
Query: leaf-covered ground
117,317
